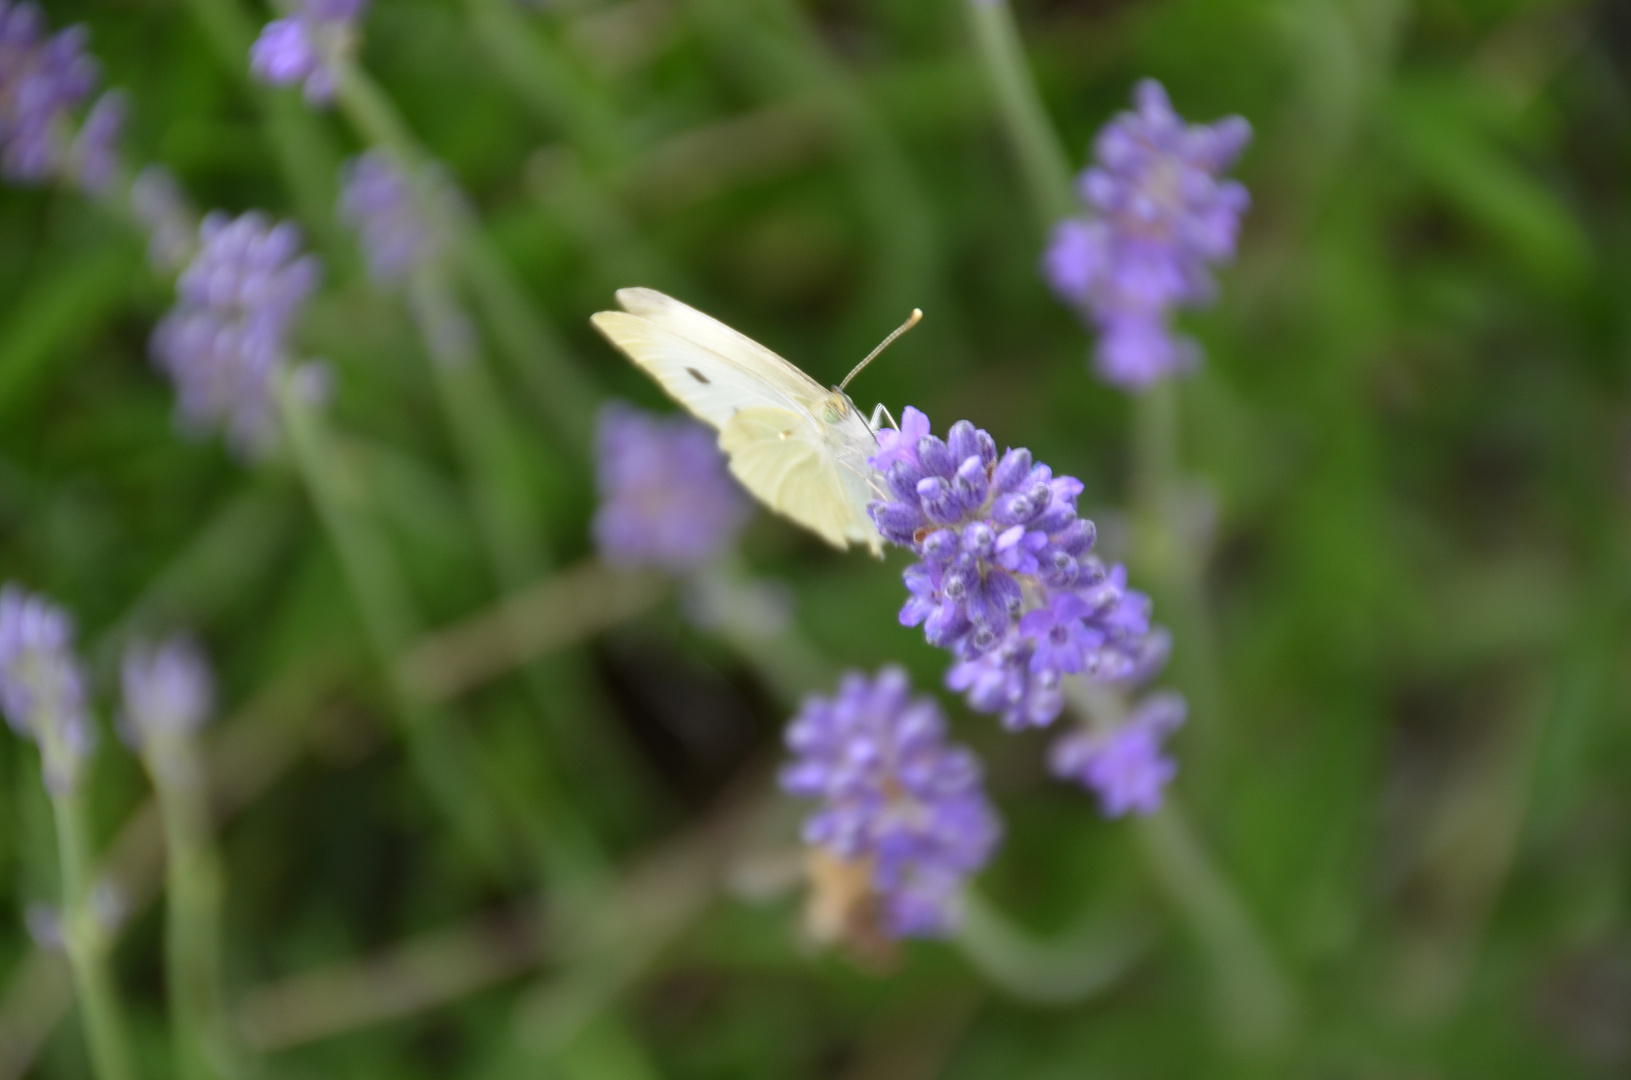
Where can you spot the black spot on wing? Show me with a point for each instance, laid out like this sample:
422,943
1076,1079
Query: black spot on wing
698,376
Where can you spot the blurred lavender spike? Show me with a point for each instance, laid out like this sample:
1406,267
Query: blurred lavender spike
377,200
1158,217
1006,579
43,79
42,690
306,47
221,344
161,206
897,801
666,498
168,689
1127,767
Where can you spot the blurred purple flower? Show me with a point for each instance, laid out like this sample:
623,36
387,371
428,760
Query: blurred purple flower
1006,579
1126,768
42,80
42,690
161,206
377,200
895,797
304,47
1158,217
666,498
168,690
95,155
227,335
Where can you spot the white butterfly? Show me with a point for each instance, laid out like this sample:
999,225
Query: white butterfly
800,448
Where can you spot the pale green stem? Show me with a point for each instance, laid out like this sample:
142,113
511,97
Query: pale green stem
306,156
1053,971
1252,999
536,352
203,1044
388,621
84,937
1042,159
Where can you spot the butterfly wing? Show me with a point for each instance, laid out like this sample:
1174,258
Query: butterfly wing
795,461
772,452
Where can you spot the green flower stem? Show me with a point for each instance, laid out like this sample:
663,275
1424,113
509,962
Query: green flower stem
193,888
84,937
1042,159
388,620
1051,972
1251,997
305,154
537,353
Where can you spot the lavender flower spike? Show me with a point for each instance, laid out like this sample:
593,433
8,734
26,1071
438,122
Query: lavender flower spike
306,47
377,200
42,691
168,690
43,79
1158,217
666,499
1006,579
228,334
1126,768
896,799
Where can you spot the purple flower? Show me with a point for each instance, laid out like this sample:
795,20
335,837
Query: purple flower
895,797
42,690
1126,768
227,335
161,206
307,46
95,156
1006,579
377,200
42,80
168,690
666,499
1158,217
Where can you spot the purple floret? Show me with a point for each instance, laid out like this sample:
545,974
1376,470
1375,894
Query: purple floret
377,201
1158,217
42,690
168,690
306,46
43,79
1006,581
666,498
895,797
227,336
1127,768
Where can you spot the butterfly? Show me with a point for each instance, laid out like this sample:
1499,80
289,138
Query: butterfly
798,447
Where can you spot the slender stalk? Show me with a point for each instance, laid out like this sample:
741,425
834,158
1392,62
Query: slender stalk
193,888
1041,157
536,351
1055,971
387,618
1252,999
84,937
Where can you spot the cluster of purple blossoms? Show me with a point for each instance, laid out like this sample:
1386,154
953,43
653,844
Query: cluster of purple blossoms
42,690
377,200
1159,215
223,342
1006,579
168,690
304,47
1127,768
666,498
44,78
895,797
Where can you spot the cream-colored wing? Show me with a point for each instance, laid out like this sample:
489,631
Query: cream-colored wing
709,334
783,463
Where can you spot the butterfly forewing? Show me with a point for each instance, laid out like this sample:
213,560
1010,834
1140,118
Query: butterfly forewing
787,442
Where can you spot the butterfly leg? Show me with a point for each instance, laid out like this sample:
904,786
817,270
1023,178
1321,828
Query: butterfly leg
879,415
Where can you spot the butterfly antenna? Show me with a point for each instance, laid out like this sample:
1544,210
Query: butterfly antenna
911,321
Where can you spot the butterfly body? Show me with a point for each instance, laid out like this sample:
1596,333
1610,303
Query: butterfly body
797,446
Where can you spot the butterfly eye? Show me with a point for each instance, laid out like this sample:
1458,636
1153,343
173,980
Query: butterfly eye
832,413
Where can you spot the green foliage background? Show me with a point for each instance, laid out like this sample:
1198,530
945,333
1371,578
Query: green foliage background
1407,457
